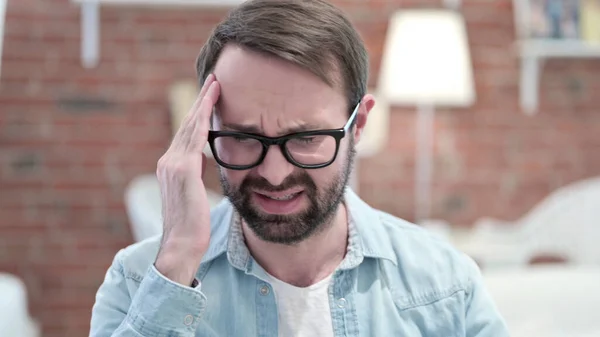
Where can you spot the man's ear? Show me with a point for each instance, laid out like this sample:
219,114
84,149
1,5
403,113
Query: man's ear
366,105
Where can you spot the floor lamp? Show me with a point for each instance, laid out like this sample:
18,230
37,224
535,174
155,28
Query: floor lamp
426,63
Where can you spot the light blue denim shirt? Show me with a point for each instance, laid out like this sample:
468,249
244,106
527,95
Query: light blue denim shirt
396,280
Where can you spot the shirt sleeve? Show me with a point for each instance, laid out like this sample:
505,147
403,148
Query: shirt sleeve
482,317
159,307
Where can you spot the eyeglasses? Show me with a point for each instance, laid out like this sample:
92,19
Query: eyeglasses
308,149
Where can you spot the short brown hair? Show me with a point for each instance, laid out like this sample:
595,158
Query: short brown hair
312,34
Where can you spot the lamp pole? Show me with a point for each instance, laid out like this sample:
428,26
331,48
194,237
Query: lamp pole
425,126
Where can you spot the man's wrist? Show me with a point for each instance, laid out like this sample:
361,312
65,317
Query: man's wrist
177,265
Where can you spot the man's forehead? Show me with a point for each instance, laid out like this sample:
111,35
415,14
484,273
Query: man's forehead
276,123
243,72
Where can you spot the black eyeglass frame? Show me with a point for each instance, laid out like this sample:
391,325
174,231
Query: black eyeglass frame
267,142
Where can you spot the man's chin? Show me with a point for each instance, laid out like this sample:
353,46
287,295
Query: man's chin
258,216
280,231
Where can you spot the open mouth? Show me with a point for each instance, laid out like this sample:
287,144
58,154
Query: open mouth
279,203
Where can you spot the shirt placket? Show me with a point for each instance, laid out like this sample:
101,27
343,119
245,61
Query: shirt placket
342,304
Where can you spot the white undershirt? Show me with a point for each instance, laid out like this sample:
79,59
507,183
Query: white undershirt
303,312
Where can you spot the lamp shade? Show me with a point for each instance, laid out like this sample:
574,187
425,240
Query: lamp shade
426,59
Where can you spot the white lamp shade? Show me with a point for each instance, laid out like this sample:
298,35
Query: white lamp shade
2,21
182,95
426,60
376,130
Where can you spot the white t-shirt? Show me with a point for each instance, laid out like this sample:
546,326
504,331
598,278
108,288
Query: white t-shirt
303,312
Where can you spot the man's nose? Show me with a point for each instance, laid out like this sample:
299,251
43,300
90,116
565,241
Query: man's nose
275,168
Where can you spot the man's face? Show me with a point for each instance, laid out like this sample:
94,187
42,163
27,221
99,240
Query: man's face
280,202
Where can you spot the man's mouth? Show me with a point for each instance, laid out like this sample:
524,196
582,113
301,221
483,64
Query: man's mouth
285,202
280,197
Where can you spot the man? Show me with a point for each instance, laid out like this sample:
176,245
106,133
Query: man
292,251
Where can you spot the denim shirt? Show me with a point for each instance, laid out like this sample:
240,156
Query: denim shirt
395,280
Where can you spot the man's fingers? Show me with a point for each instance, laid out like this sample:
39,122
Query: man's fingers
193,114
189,122
203,165
200,133
209,79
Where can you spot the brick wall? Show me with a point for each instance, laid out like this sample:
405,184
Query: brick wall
71,138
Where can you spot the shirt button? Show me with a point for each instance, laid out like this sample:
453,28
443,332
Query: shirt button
188,320
341,302
264,290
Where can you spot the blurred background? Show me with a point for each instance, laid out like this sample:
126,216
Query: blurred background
487,132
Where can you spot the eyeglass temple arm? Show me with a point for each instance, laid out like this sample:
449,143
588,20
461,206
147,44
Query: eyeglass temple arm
352,116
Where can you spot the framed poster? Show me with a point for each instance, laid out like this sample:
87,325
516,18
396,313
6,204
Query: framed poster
554,19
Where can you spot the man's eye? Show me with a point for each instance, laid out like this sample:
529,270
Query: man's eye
306,140
242,139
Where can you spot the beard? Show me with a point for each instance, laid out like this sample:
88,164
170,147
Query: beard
290,229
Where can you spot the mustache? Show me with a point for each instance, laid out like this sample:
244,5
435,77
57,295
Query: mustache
301,179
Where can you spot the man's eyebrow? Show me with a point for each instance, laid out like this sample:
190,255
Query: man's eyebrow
255,129
241,127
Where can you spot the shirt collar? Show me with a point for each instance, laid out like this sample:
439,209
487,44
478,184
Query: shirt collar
367,235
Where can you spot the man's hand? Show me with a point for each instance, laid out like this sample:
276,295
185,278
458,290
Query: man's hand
185,206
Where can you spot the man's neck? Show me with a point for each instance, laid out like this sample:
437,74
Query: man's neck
307,262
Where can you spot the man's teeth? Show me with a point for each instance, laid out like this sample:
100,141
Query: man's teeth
283,198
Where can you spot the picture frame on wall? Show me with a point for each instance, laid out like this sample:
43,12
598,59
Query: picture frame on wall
555,19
